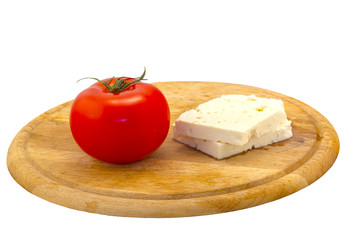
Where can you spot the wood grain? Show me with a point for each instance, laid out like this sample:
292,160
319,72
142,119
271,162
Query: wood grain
176,180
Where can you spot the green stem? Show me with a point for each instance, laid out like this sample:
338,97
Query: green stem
120,84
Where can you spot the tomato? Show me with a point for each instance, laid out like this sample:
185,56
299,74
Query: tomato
120,120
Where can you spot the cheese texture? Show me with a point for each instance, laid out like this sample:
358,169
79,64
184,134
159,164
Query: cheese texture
232,124
232,119
221,150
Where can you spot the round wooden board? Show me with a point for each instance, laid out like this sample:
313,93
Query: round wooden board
176,180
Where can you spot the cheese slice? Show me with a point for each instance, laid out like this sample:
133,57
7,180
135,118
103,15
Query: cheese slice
232,119
221,150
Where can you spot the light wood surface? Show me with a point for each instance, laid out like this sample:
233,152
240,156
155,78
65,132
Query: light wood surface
176,180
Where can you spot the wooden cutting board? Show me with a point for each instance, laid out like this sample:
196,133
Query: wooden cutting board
176,180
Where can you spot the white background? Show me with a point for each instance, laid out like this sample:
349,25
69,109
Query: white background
309,50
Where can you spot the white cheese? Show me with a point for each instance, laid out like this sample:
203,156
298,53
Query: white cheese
221,150
232,119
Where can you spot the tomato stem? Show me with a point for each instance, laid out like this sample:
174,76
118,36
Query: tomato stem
120,84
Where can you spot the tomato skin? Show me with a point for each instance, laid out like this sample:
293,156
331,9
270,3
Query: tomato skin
120,127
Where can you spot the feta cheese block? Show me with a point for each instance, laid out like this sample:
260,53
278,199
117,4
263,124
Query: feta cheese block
221,150
232,119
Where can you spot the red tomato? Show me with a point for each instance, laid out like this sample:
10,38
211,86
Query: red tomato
120,127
